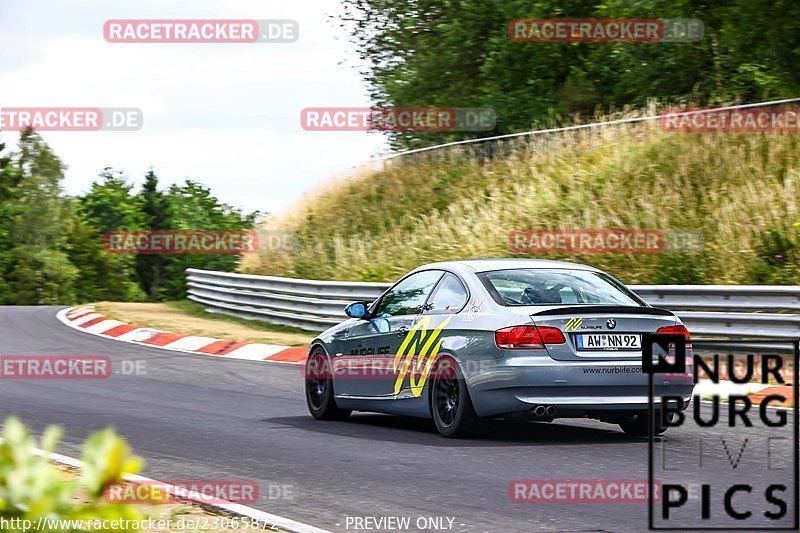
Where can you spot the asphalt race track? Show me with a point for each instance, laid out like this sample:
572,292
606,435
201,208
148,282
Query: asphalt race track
200,417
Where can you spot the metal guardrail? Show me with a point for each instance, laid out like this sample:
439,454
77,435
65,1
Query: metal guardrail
585,126
305,304
729,311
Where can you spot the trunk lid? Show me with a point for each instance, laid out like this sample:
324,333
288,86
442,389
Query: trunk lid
602,333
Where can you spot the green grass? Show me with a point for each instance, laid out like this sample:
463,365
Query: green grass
742,190
190,318
195,309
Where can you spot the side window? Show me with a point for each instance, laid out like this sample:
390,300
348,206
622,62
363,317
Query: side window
449,296
408,296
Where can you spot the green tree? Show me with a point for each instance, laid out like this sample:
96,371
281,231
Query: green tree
9,180
52,246
9,177
194,207
457,53
157,216
103,276
110,204
39,269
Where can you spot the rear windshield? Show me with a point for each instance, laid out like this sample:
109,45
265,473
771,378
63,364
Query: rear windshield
533,286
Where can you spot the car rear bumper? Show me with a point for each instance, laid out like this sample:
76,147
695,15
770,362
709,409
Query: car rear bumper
575,388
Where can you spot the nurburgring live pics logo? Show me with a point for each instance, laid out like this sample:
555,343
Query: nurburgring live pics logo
732,498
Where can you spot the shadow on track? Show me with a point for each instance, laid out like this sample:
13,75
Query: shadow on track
390,428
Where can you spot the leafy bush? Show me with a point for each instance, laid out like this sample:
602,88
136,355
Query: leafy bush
31,487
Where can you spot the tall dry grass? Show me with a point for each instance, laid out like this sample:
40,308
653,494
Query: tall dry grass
740,189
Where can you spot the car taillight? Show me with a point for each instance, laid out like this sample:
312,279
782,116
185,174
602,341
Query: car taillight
527,337
551,335
680,329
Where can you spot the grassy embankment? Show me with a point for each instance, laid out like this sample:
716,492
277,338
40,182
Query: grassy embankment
740,189
189,317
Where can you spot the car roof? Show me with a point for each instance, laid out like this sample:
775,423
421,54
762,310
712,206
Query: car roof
487,265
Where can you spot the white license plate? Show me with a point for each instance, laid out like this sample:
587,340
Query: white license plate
608,341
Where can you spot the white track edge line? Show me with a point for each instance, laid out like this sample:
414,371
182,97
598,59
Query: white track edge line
62,317
262,517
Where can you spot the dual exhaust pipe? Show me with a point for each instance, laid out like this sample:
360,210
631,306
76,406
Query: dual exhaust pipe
544,411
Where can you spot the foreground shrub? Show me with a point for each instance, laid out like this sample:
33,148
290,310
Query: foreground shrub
32,488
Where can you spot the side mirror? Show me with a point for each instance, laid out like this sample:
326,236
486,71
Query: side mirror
356,310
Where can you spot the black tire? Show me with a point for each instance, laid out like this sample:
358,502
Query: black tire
451,405
319,388
638,425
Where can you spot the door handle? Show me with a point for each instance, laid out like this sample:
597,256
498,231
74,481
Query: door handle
401,331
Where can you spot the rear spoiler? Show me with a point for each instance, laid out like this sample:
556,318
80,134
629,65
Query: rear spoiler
605,310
